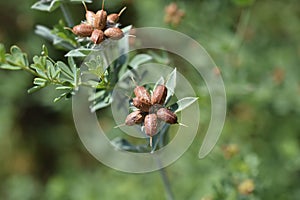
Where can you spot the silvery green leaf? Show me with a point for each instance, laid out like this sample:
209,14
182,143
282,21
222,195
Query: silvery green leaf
66,71
100,105
46,5
139,59
9,67
160,81
80,52
182,104
61,96
171,84
17,57
63,88
35,88
39,81
127,29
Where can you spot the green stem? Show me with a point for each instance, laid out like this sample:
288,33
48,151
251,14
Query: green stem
26,68
66,12
167,185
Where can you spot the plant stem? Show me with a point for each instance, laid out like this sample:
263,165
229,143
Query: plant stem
66,12
167,185
166,182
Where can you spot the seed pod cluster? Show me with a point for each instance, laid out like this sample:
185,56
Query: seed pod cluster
99,26
151,110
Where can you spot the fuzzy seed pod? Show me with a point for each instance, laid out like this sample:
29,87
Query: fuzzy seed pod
97,36
142,94
100,19
114,33
114,17
83,30
150,123
89,15
140,104
167,116
159,95
135,117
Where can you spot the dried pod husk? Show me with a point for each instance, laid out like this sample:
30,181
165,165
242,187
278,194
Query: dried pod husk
100,19
97,36
140,104
89,15
114,33
142,94
151,124
83,30
114,17
159,95
167,116
134,118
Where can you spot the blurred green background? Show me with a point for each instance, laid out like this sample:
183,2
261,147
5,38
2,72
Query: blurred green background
256,45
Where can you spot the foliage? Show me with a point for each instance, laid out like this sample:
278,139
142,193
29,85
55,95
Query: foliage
254,43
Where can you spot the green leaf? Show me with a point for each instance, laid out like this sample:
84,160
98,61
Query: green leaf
17,57
39,81
9,67
62,35
65,70
124,145
139,59
35,89
127,29
39,63
61,96
103,102
72,65
182,104
95,66
63,88
171,84
57,41
163,58
160,81
80,52
97,95
100,105
46,6
50,69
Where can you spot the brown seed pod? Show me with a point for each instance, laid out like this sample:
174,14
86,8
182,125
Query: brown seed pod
114,33
167,116
114,17
133,118
150,124
97,36
82,30
142,105
142,94
100,18
89,15
159,95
